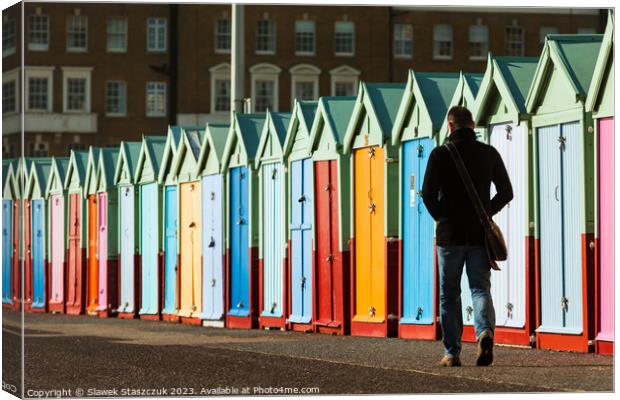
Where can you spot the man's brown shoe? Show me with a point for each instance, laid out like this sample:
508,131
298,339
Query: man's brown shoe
450,361
485,349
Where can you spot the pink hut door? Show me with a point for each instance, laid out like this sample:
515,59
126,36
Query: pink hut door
606,227
58,254
103,251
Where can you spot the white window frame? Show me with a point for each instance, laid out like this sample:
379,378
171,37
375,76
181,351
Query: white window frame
108,33
484,55
506,41
304,73
345,74
13,76
149,48
340,53
11,50
76,73
67,33
275,38
402,55
219,72
40,72
219,50
146,105
115,114
305,52
265,72
38,46
436,55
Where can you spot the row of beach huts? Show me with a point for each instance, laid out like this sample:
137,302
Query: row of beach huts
312,220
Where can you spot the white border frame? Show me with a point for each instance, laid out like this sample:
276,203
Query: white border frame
39,72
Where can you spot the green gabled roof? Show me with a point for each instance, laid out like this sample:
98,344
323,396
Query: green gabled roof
580,53
605,56
58,167
337,111
280,121
250,127
8,177
301,119
155,147
132,153
473,81
308,110
108,158
518,73
437,90
385,99
39,172
6,168
79,163
194,137
215,140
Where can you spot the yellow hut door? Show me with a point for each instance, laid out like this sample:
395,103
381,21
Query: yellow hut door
191,273
369,238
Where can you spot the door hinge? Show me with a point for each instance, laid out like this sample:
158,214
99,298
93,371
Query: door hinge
562,142
508,132
372,311
371,152
371,207
509,308
420,151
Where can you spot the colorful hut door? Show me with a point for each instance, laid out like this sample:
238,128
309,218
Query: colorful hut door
38,257
57,249
239,245
329,299
606,227
74,268
149,239
212,241
170,249
418,277
369,238
7,242
273,247
93,266
127,240
27,230
102,249
191,252
559,190
301,240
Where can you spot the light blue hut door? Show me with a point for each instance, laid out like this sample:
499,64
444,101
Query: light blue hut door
38,257
126,303
212,240
418,259
273,241
239,242
170,249
302,204
7,248
149,247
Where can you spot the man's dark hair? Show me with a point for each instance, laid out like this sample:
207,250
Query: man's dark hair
460,116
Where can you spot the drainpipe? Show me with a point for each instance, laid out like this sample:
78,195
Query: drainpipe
174,61
237,59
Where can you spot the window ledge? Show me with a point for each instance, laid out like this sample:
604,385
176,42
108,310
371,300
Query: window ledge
265,53
344,54
442,58
403,56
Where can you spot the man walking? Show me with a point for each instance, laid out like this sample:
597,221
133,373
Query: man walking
460,235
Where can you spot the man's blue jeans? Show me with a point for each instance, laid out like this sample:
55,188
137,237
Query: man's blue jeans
450,260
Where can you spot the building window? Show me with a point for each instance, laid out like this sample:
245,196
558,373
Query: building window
38,148
478,42
544,31
344,39
9,97
220,88
264,95
77,33
266,37
304,38
156,99
344,81
116,98
38,32
156,34
222,36
403,41
265,87
514,41
9,150
76,85
344,88
117,34
442,42
304,90
39,85
304,82
8,36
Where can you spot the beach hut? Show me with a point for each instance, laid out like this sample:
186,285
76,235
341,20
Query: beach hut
242,220
128,278
92,265
272,255
57,234
464,95
10,233
299,222
209,170
183,172
500,112
600,102
331,191
150,259
564,190
416,132
35,221
374,209
170,226
76,233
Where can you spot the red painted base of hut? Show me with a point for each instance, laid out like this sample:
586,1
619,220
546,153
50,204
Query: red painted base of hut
267,321
251,320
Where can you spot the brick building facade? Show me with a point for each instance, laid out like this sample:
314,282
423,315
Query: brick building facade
101,73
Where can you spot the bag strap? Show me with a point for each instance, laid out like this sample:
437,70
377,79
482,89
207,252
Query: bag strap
469,185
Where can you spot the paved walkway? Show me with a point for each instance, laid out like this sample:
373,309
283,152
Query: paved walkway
63,352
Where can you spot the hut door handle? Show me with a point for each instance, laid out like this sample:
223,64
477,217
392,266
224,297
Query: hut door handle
562,141
557,189
326,188
371,207
564,303
240,222
303,282
329,258
212,242
212,282
372,311
419,314
212,195
468,311
509,308
301,199
371,152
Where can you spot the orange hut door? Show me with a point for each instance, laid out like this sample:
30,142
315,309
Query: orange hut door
369,238
190,249
93,266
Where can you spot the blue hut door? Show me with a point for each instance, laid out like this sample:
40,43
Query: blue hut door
170,249
273,242
127,243
239,244
7,244
38,256
212,241
149,247
560,249
418,226
302,203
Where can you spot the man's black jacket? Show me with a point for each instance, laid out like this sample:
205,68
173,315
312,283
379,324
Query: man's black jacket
444,194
